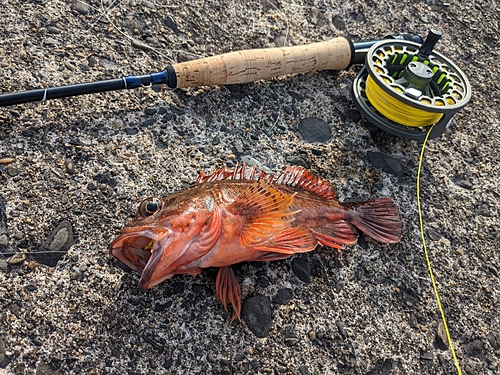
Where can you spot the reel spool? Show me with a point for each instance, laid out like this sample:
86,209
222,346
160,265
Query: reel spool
408,90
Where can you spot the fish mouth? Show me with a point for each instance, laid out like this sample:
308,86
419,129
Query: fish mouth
141,250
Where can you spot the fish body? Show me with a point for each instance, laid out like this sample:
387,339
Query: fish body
245,214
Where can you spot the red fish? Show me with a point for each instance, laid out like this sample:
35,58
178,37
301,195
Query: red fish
246,214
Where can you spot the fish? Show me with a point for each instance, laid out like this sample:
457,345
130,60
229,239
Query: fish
245,214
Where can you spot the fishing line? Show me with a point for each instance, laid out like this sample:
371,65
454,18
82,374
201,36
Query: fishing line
427,258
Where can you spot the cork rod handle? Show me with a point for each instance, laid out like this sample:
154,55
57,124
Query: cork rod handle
255,64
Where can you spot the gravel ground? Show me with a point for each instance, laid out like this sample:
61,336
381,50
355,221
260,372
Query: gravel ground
81,166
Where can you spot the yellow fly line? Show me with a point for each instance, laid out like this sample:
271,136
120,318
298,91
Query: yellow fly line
396,110
427,258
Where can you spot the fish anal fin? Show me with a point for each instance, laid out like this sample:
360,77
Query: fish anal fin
301,178
228,290
336,234
263,210
289,241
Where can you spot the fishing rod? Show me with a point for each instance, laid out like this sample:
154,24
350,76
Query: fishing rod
403,88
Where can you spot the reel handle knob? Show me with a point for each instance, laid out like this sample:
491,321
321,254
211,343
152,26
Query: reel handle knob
432,38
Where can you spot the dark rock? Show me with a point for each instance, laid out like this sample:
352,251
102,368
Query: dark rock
61,238
474,349
304,370
494,340
262,282
427,355
354,115
150,111
149,122
314,129
296,160
3,358
80,7
385,162
170,23
257,313
338,22
283,296
105,179
300,268
130,131
3,215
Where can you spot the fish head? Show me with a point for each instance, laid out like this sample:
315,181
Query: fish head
163,236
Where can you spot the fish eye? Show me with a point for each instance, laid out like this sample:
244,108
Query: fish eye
150,206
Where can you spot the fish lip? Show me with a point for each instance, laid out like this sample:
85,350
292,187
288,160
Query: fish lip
129,246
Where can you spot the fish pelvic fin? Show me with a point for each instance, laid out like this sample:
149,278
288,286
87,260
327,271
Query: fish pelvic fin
379,219
336,234
227,288
264,212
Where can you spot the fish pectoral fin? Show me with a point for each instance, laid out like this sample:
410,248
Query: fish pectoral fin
336,234
290,241
263,210
228,288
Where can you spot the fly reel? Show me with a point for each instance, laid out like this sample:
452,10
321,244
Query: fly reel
408,90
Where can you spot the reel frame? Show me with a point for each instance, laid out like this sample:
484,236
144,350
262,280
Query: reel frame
389,64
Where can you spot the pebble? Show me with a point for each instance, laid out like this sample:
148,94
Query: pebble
304,370
300,268
3,356
80,7
297,160
4,241
385,162
312,335
6,160
4,266
257,313
315,130
338,22
61,238
17,259
441,334
283,296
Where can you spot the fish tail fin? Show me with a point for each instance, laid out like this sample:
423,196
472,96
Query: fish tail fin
379,219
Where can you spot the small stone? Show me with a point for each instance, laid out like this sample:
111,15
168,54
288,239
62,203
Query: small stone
4,266
296,160
17,258
304,370
300,268
69,66
4,241
150,111
70,166
338,22
441,334
257,313
140,45
385,162
312,335
32,265
315,130
283,296
80,7
427,355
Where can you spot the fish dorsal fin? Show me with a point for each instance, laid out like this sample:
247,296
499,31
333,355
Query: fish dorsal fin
263,210
293,176
240,172
301,178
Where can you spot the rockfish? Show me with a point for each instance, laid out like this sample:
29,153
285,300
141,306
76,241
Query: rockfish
246,214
